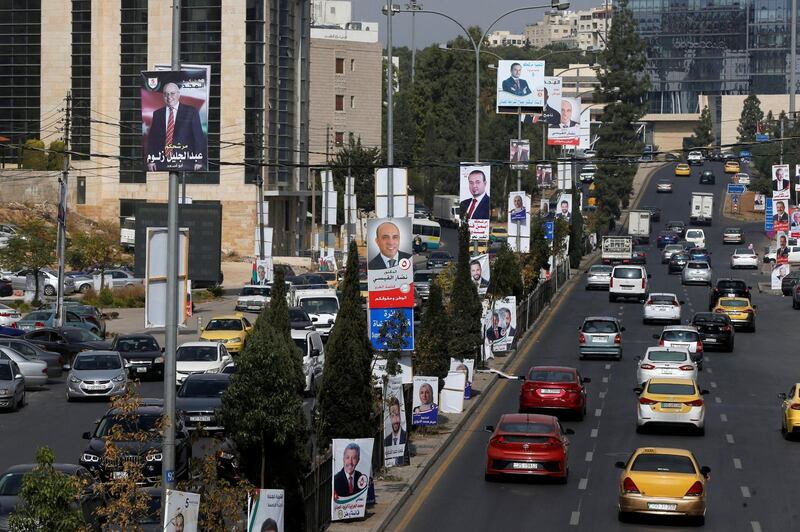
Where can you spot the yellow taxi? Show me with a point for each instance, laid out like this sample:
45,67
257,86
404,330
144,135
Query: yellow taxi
740,310
662,481
732,167
498,234
478,247
671,401
790,411
231,330
683,169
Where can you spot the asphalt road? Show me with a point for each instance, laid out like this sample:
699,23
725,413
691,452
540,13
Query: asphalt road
752,486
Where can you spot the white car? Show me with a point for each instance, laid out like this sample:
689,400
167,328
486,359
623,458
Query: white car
8,315
598,276
200,357
662,307
628,281
664,185
697,271
310,345
744,258
665,362
695,157
685,336
742,178
587,173
684,413
253,298
696,237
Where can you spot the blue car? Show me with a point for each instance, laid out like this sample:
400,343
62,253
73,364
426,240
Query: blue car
39,319
666,237
700,254
10,331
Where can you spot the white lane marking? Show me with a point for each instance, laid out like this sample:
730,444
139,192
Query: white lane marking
718,400
608,366
593,434
713,384
709,370
582,484
605,379
723,417
707,359
602,395
756,526
575,518
729,438
737,464
589,456
598,412
745,492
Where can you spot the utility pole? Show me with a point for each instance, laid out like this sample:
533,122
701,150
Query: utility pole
793,62
413,6
62,217
171,318
519,187
389,110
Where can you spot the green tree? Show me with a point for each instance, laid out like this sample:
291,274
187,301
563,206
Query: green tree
538,256
34,156
97,247
506,277
750,119
432,355
47,499
32,247
623,88
346,401
703,134
466,310
360,161
55,155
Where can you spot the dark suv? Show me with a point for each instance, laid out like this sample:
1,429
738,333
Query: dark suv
139,444
707,178
727,287
716,330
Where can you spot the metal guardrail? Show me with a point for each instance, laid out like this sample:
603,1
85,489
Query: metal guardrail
532,306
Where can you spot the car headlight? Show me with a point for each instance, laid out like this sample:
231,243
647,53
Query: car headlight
119,378
4,391
87,457
73,379
212,370
158,360
154,457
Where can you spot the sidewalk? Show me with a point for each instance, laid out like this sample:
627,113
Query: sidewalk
393,486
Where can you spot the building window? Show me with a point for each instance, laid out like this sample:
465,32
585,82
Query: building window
81,77
352,102
352,65
338,138
340,65
281,82
254,89
340,102
80,196
132,60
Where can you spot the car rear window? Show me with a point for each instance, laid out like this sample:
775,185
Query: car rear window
5,373
711,318
743,251
697,265
734,303
599,268
422,277
668,388
523,427
661,300
551,376
731,285
694,234
666,356
663,463
599,326
627,273
680,336
680,256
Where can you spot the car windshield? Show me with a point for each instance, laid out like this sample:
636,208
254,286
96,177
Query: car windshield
734,303
297,315
5,373
129,424
256,291
661,299
320,305
673,247
523,427
196,353
697,265
666,356
439,255
88,362
627,273
38,316
551,376
203,388
680,256
128,345
732,230
674,224
81,335
743,251
224,325
599,326
663,463
680,336
669,388
599,268
11,484
302,343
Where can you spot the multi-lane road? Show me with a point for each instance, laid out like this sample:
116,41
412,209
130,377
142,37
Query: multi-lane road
752,485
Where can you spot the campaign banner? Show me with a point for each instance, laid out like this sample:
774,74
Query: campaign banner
568,130
500,325
181,511
780,215
175,119
390,318
475,207
479,272
467,367
544,175
519,206
395,435
519,153
544,207
779,271
266,511
584,135
520,85
399,193
794,222
781,184
379,368
564,176
768,215
781,248
263,272
425,411
390,270
758,202
564,206
352,468
551,109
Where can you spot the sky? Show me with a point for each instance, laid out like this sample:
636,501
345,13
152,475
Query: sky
432,28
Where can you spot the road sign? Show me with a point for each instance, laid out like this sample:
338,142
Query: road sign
762,137
735,188
548,230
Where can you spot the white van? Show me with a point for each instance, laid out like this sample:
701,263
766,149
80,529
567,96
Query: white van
310,344
628,281
696,237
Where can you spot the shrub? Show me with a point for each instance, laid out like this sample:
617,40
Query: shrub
128,297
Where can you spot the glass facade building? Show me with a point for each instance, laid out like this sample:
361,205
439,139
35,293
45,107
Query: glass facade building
132,60
282,84
254,89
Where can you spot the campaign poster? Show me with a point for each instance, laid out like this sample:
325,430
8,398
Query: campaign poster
794,222
475,206
564,206
500,326
479,272
780,215
387,331
395,435
551,110
520,85
175,120
263,272
352,471
544,175
544,207
266,511
379,368
768,215
781,184
181,511
758,202
781,248
584,136
328,263
467,367
267,241
425,411
390,271
519,206
568,130
779,271
519,153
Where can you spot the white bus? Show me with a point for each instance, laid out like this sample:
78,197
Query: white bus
429,231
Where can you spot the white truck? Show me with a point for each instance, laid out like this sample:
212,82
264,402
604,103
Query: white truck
447,210
127,233
702,208
639,225
321,305
616,249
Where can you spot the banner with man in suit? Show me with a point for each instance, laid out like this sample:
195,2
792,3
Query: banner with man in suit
520,85
395,435
352,472
390,271
475,183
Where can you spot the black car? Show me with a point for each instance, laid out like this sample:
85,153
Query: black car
727,287
309,281
789,282
676,226
90,314
200,397
90,498
655,213
67,341
716,330
439,259
677,262
142,352
707,178
299,319
133,450
55,361
639,255
5,288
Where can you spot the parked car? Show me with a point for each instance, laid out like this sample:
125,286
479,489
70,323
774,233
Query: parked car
12,395
67,341
122,278
34,371
142,353
733,235
8,315
789,282
598,276
12,331
97,374
89,313
554,389
199,399
200,357
6,288
40,319
716,330
600,336
48,281
83,281
696,271
55,362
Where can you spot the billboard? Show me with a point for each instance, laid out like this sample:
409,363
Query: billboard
424,408
395,437
519,153
181,511
390,271
388,320
399,196
352,472
155,281
500,326
779,271
467,368
551,108
520,85
781,184
479,272
519,207
544,175
564,206
475,203
568,130
794,222
781,248
175,120
780,215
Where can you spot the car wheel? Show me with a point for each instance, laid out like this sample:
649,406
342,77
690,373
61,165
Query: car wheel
22,401
700,520
639,429
622,517
14,406
489,478
582,413
49,290
70,399
84,288
753,328
565,478
729,347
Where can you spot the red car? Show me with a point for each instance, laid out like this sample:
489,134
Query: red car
527,444
554,388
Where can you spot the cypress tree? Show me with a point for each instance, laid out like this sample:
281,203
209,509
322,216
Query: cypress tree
703,135
465,305
576,247
749,120
506,279
346,401
432,356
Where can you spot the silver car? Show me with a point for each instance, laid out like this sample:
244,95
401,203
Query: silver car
122,278
97,374
598,276
696,271
665,362
34,371
600,336
669,251
12,386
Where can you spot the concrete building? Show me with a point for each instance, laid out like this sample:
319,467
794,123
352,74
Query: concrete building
555,27
591,27
257,109
506,38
